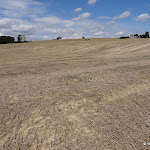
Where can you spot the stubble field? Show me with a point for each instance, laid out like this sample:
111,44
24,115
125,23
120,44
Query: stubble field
75,95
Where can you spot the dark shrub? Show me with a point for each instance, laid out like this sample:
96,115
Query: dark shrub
6,39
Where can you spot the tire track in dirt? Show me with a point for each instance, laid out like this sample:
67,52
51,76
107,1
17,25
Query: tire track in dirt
135,48
125,49
76,113
131,89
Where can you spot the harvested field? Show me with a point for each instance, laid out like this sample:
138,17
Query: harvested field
75,95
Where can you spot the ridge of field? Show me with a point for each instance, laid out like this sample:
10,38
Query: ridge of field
75,95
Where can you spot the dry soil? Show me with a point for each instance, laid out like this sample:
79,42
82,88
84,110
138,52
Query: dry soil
75,95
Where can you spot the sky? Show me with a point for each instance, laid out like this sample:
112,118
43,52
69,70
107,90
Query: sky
72,19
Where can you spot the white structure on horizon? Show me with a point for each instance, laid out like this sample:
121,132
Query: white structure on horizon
134,36
24,38
21,38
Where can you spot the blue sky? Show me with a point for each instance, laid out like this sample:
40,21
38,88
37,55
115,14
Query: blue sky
48,19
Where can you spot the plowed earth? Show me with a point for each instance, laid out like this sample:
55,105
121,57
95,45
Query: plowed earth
75,95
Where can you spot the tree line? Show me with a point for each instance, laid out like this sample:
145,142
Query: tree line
6,39
9,39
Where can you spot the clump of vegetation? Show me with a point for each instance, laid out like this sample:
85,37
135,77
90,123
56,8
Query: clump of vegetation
59,38
6,39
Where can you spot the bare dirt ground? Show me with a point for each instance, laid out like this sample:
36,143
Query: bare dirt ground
75,95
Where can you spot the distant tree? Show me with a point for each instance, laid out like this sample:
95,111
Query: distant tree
2,40
136,35
19,38
124,37
142,36
6,39
10,39
59,38
147,35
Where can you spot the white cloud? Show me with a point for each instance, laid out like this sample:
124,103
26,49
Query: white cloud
70,24
47,28
54,22
119,33
111,23
6,23
11,13
85,15
1,34
99,33
14,4
78,9
142,17
91,25
47,37
15,27
54,31
17,4
52,19
69,30
23,28
82,16
104,17
38,38
77,35
17,8
123,15
90,2
26,17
